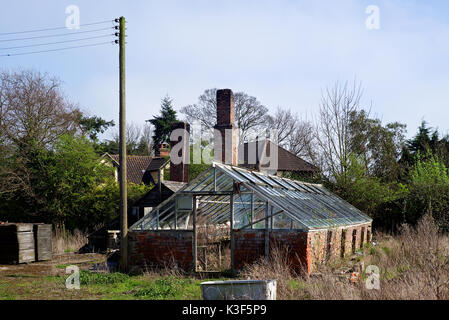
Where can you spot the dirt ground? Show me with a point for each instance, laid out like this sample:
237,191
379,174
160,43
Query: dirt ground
56,266
47,281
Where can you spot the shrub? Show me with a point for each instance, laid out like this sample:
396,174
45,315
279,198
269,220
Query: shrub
429,191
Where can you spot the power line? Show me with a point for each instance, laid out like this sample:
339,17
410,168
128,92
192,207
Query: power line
57,42
57,35
59,49
51,29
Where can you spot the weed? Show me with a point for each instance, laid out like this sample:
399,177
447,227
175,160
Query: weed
92,278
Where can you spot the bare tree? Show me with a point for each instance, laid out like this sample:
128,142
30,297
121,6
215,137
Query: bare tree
300,142
146,139
332,130
294,133
284,121
250,114
33,108
33,115
133,132
138,140
205,110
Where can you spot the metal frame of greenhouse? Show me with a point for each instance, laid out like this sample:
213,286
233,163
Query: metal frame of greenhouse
250,200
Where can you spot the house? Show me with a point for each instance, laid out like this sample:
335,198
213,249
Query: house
153,198
179,176
229,216
287,163
140,169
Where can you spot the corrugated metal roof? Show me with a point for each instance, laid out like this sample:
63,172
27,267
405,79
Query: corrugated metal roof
304,205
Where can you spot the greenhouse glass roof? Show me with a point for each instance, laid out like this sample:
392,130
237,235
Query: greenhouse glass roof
258,201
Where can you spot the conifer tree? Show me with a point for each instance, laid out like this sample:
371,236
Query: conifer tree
162,123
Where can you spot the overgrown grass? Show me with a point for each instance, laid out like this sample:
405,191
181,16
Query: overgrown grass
413,265
66,242
151,287
98,286
91,278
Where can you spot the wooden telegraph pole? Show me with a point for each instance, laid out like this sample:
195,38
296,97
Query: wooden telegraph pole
122,156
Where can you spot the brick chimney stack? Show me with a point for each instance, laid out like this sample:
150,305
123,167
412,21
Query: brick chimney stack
180,172
225,129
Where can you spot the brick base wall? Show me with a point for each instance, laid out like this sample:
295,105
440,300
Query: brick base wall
337,242
305,249
160,248
249,246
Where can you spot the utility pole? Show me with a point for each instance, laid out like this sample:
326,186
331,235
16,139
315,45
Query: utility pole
122,156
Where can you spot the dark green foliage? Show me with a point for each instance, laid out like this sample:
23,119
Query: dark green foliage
364,191
91,278
69,176
162,123
111,147
426,144
429,191
378,146
69,187
164,288
92,126
196,168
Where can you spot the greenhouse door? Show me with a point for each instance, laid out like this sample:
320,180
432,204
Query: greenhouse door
212,245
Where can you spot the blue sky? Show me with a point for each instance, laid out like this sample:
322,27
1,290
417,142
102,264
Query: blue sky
282,52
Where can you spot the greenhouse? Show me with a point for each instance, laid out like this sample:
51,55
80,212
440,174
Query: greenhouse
228,217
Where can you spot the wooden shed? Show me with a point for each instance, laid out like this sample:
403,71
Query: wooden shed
17,243
42,241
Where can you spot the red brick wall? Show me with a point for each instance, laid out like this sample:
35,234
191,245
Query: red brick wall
225,122
328,244
249,246
225,107
298,246
180,172
358,238
318,247
160,248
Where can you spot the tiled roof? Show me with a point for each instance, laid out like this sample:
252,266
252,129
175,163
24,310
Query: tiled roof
138,165
153,198
287,161
157,163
